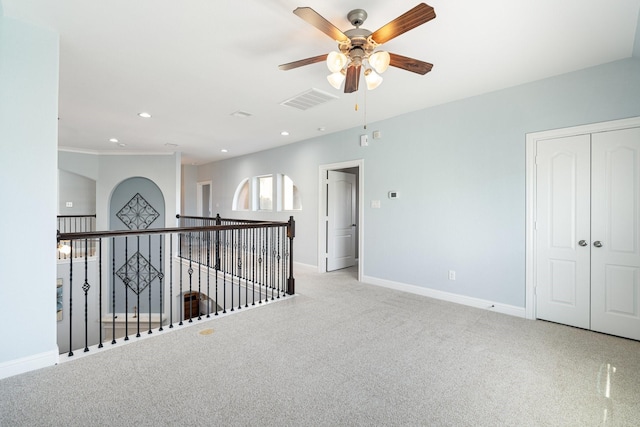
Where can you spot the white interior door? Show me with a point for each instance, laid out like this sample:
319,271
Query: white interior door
615,260
341,220
562,230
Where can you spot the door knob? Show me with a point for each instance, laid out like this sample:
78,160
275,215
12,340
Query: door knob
597,244
582,243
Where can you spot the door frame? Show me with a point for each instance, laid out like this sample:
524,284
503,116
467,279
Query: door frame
322,208
199,200
530,200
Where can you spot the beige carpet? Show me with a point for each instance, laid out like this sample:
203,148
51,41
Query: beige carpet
343,353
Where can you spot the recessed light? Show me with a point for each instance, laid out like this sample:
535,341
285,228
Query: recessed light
122,144
145,115
321,129
114,140
224,150
284,133
170,145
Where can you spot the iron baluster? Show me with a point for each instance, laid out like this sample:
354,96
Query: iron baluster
161,279
181,294
100,293
190,271
149,285
113,290
126,289
291,233
199,272
135,313
70,299
170,281
208,274
224,273
85,288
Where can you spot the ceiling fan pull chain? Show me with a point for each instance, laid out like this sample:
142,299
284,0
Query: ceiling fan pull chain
365,109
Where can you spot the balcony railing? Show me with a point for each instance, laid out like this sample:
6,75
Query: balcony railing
143,281
77,224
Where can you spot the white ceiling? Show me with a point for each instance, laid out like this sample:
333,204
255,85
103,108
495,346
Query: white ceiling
191,63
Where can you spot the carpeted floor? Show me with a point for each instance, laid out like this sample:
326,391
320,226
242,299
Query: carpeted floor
343,353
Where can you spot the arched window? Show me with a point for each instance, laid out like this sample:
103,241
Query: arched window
264,187
259,193
241,196
291,200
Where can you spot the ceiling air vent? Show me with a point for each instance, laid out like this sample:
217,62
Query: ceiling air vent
309,99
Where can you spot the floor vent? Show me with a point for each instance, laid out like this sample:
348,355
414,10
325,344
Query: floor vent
309,99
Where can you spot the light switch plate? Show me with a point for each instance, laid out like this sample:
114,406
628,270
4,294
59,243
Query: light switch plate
364,140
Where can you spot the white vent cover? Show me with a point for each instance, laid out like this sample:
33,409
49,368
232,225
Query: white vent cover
309,99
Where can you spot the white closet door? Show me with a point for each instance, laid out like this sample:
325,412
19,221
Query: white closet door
563,230
615,275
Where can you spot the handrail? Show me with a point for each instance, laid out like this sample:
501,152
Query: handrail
218,218
247,262
116,233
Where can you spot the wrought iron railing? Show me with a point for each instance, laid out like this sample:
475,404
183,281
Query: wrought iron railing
171,275
77,224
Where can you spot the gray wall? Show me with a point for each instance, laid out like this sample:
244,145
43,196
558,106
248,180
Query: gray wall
460,170
78,190
28,152
189,191
148,246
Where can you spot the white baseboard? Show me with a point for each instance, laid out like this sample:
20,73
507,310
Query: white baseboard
447,296
303,266
29,363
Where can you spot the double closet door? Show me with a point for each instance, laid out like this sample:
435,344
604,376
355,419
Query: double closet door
587,231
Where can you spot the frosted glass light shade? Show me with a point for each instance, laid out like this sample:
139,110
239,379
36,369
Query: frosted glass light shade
336,61
336,79
373,80
380,61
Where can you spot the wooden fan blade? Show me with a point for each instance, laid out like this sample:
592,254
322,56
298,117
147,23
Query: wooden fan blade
303,62
352,79
315,19
417,16
409,64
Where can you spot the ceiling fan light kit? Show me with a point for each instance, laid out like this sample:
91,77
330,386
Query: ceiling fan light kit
357,47
336,79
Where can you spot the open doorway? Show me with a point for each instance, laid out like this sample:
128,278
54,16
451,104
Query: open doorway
203,199
340,216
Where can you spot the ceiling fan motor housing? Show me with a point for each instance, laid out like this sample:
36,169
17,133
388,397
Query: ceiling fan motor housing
358,47
357,17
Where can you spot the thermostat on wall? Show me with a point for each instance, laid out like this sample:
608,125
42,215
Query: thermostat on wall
394,194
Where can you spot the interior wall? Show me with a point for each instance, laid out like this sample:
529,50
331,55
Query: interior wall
189,190
460,172
78,190
148,247
28,152
109,170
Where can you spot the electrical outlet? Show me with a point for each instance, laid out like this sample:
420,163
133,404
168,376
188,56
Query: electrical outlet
69,204
452,275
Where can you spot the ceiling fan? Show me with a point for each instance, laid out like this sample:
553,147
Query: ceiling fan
358,47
